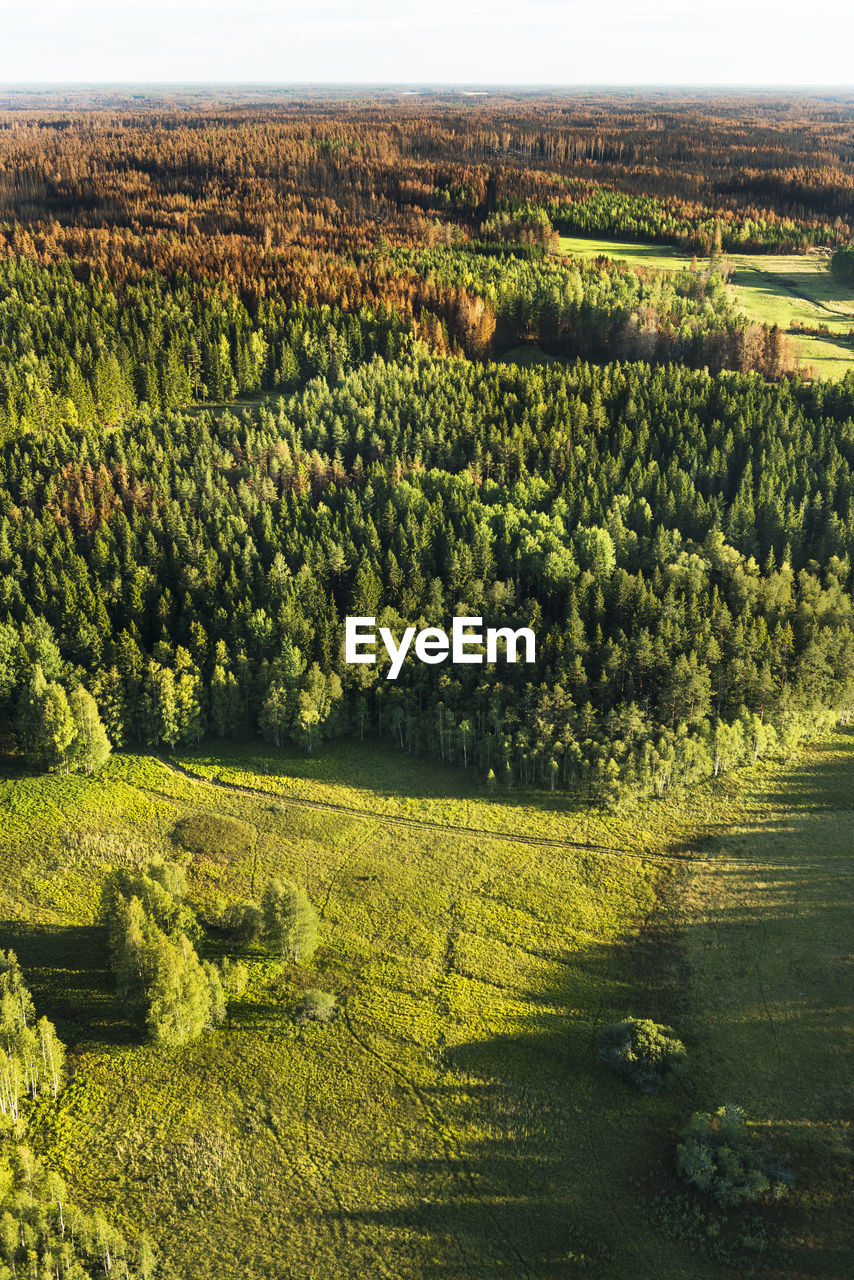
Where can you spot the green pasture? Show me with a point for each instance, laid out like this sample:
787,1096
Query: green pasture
455,1119
767,927
770,288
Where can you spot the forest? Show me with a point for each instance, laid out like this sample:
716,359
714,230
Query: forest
273,360
692,596
169,571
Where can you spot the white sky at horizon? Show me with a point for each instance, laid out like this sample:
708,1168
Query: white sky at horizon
462,42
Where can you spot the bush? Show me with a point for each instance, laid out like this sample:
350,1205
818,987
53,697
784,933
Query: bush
315,1006
842,264
243,921
212,836
647,1054
718,1155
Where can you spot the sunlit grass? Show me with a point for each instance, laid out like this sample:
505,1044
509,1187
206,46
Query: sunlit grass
455,1119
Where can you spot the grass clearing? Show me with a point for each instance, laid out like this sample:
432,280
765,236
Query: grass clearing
769,288
658,257
454,1119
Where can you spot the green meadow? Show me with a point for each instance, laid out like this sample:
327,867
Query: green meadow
786,290
454,1120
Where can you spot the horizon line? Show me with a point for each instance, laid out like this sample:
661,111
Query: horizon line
416,85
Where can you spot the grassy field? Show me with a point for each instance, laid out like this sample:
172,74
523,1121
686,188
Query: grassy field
770,288
455,1120
768,932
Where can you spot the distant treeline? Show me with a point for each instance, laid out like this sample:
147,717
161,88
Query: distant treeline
220,178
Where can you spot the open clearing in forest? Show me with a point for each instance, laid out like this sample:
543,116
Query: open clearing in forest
770,288
455,1121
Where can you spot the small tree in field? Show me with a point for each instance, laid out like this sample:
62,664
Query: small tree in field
316,1006
720,1156
647,1054
290,921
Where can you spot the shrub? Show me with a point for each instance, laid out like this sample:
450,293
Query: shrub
243,921
315,1006
213,836
842,264
718,1155
647,1054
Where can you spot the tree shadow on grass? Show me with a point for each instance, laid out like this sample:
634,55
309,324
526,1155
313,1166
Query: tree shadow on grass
66,968
545,1165
374,766
537,1151
826,781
